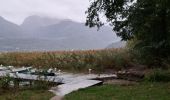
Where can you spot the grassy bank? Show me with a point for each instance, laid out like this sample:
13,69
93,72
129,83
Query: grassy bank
13,89
142,91
75,60
26,95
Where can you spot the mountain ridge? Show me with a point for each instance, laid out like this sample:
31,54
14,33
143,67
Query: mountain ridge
6,31
54,35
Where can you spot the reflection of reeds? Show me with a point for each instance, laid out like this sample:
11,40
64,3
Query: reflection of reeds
41,80
69,60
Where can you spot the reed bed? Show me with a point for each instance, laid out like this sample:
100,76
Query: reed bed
70,60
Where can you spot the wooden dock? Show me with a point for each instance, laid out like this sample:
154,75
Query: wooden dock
74,86
78,81
70,82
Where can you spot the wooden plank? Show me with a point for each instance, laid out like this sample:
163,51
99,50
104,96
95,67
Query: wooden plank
3,68
36,77
4,73
74,86
20,69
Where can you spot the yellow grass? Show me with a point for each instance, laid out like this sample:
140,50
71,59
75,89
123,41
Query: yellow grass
69,60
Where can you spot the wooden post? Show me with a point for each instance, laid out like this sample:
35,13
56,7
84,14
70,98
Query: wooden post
16,83
31,83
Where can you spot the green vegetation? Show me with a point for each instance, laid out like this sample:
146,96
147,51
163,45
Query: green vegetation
5,82
99,60
26,95
145,23
158,75
37,90
142,91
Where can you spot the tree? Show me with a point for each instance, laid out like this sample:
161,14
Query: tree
145,21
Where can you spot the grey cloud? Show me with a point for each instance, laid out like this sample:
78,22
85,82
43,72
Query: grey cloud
17,10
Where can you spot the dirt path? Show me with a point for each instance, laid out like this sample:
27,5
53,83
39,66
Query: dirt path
56,98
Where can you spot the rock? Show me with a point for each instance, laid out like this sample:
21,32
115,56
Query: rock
132,76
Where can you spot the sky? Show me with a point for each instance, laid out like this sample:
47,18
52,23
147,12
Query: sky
17,10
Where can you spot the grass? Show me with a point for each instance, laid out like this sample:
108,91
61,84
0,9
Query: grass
70,60
158,75
37,91
143,91
27,95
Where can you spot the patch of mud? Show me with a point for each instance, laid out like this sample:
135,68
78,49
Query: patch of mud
120,82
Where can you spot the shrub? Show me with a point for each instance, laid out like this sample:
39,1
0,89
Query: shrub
158,75
5,82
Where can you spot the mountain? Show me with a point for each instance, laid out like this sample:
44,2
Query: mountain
34,22
119,44
77,35
9,30
42,33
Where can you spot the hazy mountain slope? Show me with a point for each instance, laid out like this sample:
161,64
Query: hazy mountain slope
34,22
71,33
118,44
9,30
51,34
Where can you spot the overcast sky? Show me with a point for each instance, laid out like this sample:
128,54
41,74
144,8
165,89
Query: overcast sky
17,10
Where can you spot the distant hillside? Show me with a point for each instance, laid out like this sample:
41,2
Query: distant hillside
34,22
42,33
9,30
119,44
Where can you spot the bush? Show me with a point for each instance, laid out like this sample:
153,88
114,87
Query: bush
41,85
148,53
158,75
5,82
